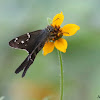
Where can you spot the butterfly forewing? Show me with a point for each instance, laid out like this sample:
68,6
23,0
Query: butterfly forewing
27,41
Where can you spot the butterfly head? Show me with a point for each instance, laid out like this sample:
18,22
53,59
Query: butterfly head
50,28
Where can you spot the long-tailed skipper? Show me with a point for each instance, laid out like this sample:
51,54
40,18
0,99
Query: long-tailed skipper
32,42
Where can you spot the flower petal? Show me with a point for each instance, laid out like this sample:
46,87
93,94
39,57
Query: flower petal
70,29
48,48
58,19
61,44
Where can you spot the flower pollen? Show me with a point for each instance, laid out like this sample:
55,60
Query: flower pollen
56,34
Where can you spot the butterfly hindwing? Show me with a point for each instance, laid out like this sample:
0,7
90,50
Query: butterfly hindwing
29,60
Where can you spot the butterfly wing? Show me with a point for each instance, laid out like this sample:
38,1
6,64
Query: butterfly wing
29,60
33,42
27,41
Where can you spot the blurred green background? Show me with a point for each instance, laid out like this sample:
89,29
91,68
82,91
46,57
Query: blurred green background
81,61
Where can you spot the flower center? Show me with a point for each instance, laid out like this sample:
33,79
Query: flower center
55,34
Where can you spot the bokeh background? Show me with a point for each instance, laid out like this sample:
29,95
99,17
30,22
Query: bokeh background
81,61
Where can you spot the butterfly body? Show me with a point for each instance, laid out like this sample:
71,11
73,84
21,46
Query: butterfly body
32,42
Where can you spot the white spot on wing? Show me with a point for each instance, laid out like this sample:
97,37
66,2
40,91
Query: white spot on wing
27,39
22,42
15,39
28,35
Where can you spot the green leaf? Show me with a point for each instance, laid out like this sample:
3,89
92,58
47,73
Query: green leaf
49,20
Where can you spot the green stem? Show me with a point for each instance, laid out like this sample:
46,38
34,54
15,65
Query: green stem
61,76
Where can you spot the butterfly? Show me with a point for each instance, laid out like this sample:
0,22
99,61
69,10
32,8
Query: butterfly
32,42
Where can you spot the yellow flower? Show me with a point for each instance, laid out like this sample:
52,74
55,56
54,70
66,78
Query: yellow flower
57,41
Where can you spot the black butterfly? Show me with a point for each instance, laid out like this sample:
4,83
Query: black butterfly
32,42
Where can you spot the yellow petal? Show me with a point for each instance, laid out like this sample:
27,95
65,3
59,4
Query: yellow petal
70,29
48,48
58,19
61,45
